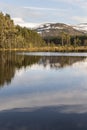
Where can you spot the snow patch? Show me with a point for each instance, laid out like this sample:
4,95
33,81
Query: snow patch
81,27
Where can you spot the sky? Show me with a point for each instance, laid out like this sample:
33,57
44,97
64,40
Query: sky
31,13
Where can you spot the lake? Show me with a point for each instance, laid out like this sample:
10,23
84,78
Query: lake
43,91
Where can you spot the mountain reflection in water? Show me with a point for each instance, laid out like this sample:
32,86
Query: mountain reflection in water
43,92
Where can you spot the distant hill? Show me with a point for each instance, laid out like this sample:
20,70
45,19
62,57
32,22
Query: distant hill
56,29
81,27
17,37
63,34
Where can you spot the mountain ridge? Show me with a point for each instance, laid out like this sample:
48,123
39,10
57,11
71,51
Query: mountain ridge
81,27
55,29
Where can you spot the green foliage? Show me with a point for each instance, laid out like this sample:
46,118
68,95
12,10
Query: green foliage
77,41
12,36
66,39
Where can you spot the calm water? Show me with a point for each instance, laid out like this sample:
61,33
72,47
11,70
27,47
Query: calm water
43,91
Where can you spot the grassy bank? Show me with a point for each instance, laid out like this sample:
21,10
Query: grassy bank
51,49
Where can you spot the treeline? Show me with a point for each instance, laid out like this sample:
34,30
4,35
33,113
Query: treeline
12,36
66,39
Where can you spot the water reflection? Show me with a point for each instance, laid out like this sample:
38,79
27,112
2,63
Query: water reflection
43,92
48,118
10,62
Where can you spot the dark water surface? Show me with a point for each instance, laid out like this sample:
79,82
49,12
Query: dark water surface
43,91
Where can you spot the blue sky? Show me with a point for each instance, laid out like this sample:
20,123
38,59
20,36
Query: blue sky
32,12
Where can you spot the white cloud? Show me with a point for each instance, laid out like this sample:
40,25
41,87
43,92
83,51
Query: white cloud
60,11
71,1
42,9
21,22
18,20
79,19
80,3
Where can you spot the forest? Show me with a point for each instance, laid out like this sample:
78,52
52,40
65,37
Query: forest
16,37
12,36
67,40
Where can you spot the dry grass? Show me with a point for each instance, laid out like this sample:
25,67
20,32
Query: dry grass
51,49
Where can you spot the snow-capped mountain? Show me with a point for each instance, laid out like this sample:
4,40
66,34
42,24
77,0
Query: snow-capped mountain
55,29
81,27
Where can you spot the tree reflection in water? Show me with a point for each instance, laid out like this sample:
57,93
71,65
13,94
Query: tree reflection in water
10,62
41,100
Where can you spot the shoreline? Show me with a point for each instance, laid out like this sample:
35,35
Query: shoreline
50,49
